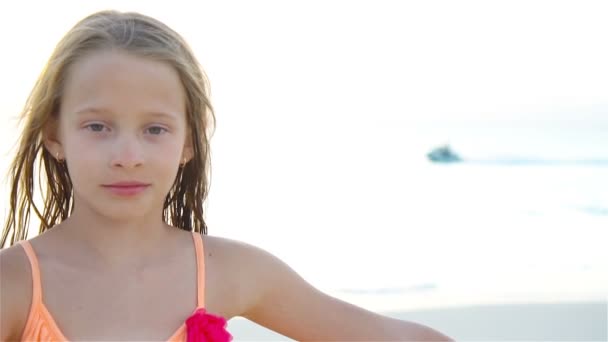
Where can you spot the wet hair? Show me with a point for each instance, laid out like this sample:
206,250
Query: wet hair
140,36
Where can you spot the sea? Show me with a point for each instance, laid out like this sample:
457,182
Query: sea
359,211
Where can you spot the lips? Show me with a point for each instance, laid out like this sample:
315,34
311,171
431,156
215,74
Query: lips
126,188
126,184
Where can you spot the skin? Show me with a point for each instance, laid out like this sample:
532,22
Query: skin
123,118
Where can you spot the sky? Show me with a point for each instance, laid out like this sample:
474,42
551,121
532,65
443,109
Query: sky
341,61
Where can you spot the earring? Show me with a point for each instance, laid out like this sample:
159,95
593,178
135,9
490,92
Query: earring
57,157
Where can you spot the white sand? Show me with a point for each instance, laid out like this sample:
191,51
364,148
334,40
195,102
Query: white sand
576,321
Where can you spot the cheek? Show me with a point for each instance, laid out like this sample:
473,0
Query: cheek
166,153
75,143
164,160
84,164
82,152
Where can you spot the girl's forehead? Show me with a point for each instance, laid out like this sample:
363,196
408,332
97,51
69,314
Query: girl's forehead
117,80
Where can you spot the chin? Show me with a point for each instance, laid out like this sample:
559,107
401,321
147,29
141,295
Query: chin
122,210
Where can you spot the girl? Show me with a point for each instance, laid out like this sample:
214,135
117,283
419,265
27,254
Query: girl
120,119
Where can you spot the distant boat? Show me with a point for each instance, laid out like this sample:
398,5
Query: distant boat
443,154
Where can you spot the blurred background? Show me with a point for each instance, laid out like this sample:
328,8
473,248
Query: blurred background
439,161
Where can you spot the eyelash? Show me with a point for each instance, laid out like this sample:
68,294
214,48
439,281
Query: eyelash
163,130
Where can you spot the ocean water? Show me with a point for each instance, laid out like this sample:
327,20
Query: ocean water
361,213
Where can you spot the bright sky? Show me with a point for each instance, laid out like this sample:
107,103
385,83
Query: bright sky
349,60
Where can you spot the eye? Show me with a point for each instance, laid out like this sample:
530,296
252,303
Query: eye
96,127
156,130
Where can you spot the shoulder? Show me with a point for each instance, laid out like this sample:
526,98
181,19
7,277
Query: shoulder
248,259
260,276
16,294
230,250
238,260
247,271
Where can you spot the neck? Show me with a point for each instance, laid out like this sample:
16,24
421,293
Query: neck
117,243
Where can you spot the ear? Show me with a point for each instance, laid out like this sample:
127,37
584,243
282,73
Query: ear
51,139
188,151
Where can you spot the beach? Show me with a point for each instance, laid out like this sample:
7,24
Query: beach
566,321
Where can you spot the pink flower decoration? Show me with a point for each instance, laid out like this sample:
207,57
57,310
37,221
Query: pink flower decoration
205,327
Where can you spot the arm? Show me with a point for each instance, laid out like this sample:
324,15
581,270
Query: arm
15,292
287,304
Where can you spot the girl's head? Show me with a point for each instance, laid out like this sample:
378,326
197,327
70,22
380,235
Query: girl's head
122,99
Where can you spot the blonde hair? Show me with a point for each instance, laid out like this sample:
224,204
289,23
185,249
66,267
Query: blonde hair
139,35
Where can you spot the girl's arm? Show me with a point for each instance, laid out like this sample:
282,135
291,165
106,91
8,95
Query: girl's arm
287,304
15,292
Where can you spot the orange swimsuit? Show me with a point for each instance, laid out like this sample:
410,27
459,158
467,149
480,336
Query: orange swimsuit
40,324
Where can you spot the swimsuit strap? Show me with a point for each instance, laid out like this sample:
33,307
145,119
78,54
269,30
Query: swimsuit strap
200,268
37,288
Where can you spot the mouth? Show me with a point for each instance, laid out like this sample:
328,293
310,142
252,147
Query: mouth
126,184
126,188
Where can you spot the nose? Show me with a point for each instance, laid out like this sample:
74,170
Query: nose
128,152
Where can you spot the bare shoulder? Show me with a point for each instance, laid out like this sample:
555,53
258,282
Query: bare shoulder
251,262
16,294
230,250
234,274
234,255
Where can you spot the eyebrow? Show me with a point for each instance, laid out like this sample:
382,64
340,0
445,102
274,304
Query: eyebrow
107,111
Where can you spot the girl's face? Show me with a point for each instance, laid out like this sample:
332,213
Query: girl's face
123,133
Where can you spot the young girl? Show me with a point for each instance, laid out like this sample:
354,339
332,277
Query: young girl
120,120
